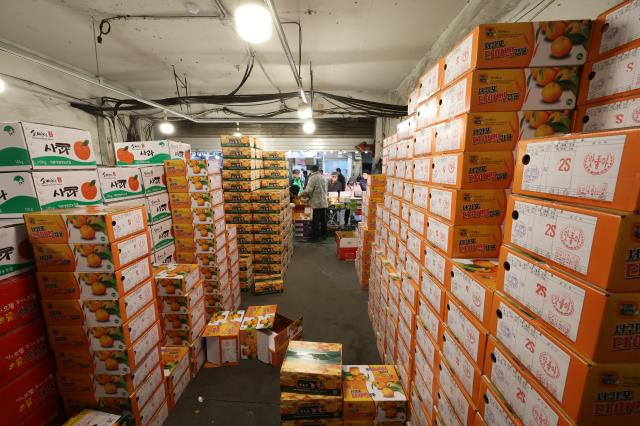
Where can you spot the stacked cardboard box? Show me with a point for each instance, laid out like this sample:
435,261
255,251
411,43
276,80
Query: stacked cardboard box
246,272
94,275
27,370
433,273
311,382
374,195
177,372
199,226
241,173
233,302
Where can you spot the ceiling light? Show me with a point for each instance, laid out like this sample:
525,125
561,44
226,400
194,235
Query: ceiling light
237,134
309,127
253,22
166,127
3,86
305,111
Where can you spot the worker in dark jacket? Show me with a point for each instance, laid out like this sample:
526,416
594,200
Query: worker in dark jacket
341,179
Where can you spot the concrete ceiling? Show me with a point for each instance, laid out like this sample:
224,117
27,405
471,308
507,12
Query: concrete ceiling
358,47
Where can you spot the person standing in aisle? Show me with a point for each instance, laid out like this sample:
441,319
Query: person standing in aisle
316,190
296,180
334,184
305,177
341,179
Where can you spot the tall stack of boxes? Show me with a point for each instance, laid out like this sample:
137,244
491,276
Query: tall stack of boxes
98,299
433,265
246,272
199,226
374,195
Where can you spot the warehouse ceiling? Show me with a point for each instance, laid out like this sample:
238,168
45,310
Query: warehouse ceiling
358,47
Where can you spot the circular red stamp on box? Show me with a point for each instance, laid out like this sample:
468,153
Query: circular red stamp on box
562,304
572,237
549,365
598,164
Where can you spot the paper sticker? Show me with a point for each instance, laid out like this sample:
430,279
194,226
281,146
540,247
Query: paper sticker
430,320
445,169
454,100
422,145
581,168
560,235
458,61
470,293
448,135
428,84
616,115
461,366
465,332
435,263
427,113
438,234
440,202
543,358
431,291
553,299
456,397
421,169
615,75
622,27
420,196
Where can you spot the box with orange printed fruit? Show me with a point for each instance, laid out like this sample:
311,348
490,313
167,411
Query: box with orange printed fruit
192,231
110,384
213,302
174,279
216,260
297,406
191,167
374,393
93,285
101,312
312,367
210,245
186,200
186,337
89,224
90,257
184,321
209,272
193,183
181,304
255,318
221,336
175,363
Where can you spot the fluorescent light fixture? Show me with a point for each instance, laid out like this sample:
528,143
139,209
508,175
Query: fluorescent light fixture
305,111
166,127
237,134
309,127
253,22
3,86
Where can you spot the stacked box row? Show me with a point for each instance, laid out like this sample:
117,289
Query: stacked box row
376,185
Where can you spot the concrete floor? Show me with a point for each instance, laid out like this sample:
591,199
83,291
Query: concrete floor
325,292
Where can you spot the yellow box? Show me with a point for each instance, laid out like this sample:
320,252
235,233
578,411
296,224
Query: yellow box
312,367
374,393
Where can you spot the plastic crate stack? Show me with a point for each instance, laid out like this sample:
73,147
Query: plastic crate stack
98,299
440,229
241,173
376,185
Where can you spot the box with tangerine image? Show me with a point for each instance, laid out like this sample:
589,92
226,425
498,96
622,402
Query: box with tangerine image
186,337
269,183
255,318
67,189
237,197
100,312
495,90
275,174
182,216
238,152
237,186
266,207
482,170
157,207
237,141
295,406
181,304
237,208
207,245
269,196
472,282
185,245
238,164
468,207
91,224
373,392
184,230
89,257
238,175
518,45
312,367
222,338
184,322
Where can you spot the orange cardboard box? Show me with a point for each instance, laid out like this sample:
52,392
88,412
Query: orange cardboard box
518,45
103,257
464,241
566,236
109,312
312,368
273,342
468,207
611,76
472,282
521,89
184,321
462,404
175,279
497,131
188,337
463,367
131,409
22,348
181,304
596,169
221,336
18,301
93,285
191,183
433,292
485,170
191,167
374,393
22,394
430,82
184,230
575,382
175,363
237,197
471,334
255,318
618,113
598,324
492,408
178,389
92,224
614,30
428,322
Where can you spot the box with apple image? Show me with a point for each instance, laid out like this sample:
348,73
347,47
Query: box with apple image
35,386
312,367
43,146
374,393
175,279
112,384
184,322
66,189
18,194
99,312
16,253
145,153
21,348
110,361
186,337
158,207
222,338
297,406
89,257
120,183
181,304
161,234
89,224
95,338
154,179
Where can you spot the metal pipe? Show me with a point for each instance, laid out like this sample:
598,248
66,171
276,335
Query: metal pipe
99,82
285,46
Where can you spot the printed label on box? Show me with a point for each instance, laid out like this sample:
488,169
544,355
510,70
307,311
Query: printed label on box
543,358
563,236
421,169
494,414
466,333
461,366
458,61
614,75
614,115
438,234
153,179
449,135
435,263
66,189
440,202
582,168
120,183
445,169
553,299
454,99
58,147
451,389
469,292
431,291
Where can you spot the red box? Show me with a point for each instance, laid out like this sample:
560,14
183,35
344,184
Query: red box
49,413
26,392
22,348
18,301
